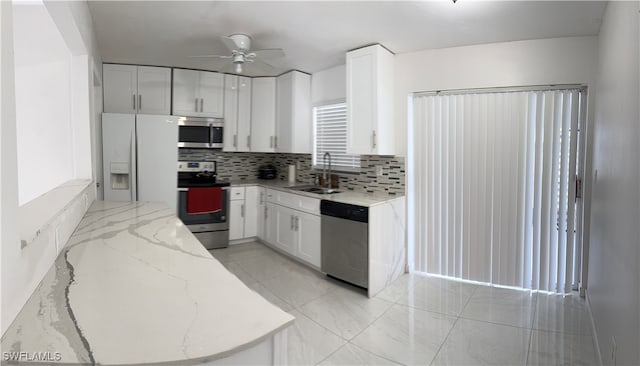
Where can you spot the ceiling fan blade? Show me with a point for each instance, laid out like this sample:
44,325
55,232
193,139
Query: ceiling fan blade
266,65
230,43
269,53
210,56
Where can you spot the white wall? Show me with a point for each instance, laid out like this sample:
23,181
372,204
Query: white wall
43,102
614,260
23,268
328,85
522,63
8,162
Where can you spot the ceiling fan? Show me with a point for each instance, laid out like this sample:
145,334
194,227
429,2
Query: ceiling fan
241,53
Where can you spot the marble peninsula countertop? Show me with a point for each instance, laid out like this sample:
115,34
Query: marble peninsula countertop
134,286
344,195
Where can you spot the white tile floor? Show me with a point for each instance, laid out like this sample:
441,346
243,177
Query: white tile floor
418,320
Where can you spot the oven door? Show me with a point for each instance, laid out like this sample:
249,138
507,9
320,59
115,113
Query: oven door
194,134
204,222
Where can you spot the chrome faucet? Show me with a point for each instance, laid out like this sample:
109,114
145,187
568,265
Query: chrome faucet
324,163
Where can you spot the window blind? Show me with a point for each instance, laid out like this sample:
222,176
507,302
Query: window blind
330,135
492,178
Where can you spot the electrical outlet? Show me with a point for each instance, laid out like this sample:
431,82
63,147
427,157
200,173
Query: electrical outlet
614,350
378,170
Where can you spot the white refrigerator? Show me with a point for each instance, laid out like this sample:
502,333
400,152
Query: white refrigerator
140,154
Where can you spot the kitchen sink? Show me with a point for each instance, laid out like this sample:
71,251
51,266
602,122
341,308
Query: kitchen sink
313,189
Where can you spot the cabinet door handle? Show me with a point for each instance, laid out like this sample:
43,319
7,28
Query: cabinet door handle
235,140
139,101
134,101
297,223
373,139
292,224
265,213
196,104
242,210
270,141
275,142
201,104
248,140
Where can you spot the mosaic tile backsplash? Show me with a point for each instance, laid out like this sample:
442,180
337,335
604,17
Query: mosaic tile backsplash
244,166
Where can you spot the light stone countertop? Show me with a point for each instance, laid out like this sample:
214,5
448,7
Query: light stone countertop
134,286
345,195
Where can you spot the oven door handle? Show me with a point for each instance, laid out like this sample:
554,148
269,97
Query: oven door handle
184,189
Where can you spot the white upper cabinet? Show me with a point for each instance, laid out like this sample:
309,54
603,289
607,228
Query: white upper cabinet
120,88
136,89
370,100
198,93
263,114
244,113
293,113
237,113
230,113
154,90
185,92
211,92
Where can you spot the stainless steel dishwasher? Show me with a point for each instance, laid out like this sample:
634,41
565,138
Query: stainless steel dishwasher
345,242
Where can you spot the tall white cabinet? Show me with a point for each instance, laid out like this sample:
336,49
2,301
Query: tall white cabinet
293,113
263,114
237,113
198,93
136,89
370,98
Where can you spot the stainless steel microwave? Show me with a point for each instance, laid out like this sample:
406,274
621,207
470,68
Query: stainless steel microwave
197,132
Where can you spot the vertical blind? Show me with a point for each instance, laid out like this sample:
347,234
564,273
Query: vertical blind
493,186
330,135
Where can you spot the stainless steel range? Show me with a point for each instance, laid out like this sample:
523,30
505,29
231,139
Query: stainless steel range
203,203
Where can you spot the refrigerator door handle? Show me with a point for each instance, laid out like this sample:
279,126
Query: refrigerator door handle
134,168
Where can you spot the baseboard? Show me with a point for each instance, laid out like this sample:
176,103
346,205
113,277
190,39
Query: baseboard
243,241
593,330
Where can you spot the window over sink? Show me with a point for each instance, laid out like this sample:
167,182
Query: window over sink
330,135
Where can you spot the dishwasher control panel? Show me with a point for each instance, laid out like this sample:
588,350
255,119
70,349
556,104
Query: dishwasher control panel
344,211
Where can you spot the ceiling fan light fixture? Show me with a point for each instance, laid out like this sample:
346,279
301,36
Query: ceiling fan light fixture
238,68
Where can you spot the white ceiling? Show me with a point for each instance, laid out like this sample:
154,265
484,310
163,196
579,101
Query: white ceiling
316,35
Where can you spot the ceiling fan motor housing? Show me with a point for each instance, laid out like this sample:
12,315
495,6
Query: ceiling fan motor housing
242,41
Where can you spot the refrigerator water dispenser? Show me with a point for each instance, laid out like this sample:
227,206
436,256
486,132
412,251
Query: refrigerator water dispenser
119,176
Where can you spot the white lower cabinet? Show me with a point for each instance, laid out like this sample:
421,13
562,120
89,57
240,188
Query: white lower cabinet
236,219
307,233
288,221
246,212
284,234
293,231
253,200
